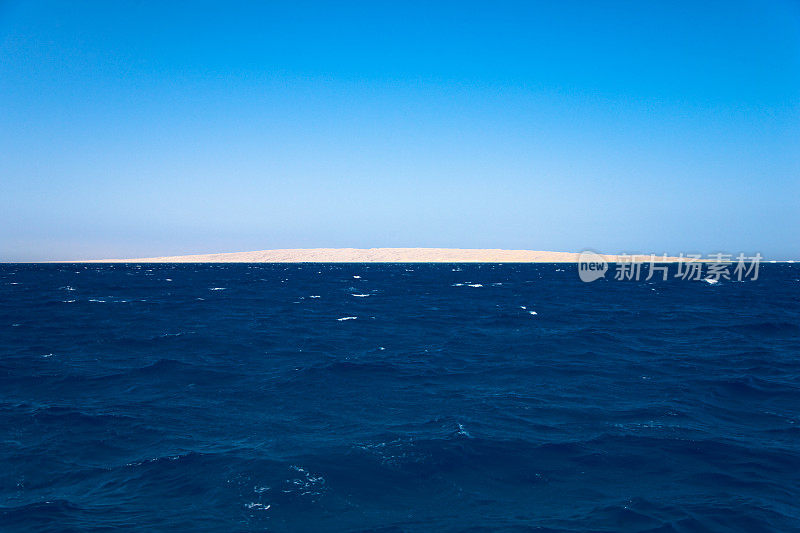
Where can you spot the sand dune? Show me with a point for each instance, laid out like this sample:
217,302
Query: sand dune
378,255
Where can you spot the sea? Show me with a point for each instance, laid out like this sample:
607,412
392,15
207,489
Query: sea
396,397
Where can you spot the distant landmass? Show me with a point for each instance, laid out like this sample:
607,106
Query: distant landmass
381,255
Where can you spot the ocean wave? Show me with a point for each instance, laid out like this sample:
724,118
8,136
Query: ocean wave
46,514
345,368
613,409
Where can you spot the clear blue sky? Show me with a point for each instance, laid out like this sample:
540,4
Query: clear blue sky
130,129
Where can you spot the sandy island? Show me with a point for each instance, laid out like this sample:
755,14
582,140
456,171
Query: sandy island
381,255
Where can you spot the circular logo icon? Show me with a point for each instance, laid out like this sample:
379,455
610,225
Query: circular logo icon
591,266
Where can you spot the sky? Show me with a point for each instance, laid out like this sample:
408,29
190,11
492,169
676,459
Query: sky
132,129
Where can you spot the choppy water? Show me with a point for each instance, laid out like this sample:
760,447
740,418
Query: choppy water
358,397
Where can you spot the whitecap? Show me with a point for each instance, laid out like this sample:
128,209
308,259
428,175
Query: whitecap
476,285
711,281
533,312
259,506
346,318
308,485
314,296
356,277
217,288
360,295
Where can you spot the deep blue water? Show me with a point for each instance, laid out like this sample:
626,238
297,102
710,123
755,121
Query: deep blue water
139,396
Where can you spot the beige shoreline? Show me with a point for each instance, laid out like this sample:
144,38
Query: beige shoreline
381,255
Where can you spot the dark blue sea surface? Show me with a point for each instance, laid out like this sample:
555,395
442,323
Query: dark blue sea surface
369,397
